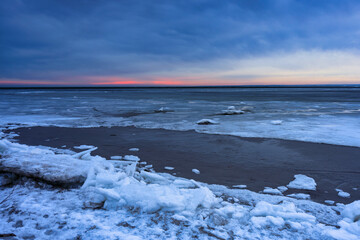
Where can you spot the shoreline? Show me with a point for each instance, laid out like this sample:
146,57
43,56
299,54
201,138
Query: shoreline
222,159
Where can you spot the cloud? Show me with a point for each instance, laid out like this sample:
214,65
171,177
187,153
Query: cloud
62,40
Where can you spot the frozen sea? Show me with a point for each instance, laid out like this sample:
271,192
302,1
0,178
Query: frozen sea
123,199
318,114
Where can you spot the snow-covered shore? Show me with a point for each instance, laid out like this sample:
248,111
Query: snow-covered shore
121,200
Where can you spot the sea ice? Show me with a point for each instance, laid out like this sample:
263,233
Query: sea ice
118,200
116,157
302,182
168,168
134,149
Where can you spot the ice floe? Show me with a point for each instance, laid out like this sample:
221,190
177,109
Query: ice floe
134,149
302,182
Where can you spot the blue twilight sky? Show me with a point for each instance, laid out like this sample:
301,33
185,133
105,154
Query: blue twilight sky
198,42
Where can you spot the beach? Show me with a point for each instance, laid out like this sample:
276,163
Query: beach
221,159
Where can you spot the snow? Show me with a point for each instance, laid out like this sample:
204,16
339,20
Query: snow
299,195
240,186
134,149
118,200
83,147
168,168
206,122
343,194
302,182
272,191
350,224
196,171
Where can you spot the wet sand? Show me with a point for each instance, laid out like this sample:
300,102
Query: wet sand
225,160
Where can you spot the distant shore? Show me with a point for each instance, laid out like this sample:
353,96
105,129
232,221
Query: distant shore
225,160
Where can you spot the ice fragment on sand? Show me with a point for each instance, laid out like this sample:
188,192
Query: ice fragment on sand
83,147
168,168
240,186
343,194
196,171
302,182
131,158
85,155
206,122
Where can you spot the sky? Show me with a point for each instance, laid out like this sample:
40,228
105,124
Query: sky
179,42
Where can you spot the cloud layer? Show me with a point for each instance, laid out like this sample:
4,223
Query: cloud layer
179,42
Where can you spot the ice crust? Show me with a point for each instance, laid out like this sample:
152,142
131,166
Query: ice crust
44,164
120,200
302,182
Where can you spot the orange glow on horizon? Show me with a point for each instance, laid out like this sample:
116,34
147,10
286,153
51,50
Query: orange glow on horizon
183,81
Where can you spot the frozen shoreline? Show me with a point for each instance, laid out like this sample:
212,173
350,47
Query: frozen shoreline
120,202
225,160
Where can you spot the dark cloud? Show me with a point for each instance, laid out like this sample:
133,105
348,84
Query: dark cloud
54,40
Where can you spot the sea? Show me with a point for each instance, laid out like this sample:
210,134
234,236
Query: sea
328,115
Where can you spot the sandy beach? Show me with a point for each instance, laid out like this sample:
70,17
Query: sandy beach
225,160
